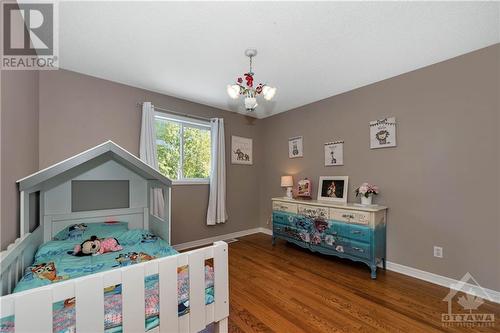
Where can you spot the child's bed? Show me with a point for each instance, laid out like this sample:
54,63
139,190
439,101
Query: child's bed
145,286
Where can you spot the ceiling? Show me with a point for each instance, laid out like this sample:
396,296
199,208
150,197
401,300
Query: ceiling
308,50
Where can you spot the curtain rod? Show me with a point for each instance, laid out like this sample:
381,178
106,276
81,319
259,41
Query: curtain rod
177,113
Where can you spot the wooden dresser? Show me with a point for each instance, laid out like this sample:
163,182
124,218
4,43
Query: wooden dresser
345,230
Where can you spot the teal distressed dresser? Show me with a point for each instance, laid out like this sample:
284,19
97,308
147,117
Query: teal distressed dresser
345,230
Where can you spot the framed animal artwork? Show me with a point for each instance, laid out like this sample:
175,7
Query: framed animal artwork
295,147
383,133
334,153
241,150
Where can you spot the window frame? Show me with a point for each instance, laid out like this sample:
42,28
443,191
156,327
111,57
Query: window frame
189,122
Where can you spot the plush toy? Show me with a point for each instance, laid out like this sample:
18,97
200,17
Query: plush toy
95,246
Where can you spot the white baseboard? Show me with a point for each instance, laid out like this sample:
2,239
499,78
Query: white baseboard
210,240
266,231
444,281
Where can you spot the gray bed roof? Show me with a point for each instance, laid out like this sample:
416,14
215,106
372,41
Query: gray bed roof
107,149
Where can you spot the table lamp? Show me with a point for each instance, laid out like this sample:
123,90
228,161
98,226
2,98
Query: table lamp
287,181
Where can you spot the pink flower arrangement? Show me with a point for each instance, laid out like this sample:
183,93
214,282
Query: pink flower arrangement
367,189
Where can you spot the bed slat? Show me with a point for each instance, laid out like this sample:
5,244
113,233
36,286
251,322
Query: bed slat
34,311
221,281
168,295
133,299
10,283
89,304
197,290
183,260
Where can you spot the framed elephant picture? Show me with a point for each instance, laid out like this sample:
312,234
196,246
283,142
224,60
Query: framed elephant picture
241,150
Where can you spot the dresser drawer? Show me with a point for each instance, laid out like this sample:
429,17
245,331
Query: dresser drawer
335,243
357,232
289,232
285,207
283,218
313,211
351,231
349,216
358,249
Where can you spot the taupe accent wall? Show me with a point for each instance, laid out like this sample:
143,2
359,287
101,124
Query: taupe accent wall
78,112
439,182
19,144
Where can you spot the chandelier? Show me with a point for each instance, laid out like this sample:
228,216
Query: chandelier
247,88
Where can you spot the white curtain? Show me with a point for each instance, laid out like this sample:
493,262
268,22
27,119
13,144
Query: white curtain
148,154
217,201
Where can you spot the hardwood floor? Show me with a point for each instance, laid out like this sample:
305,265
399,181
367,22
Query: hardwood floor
289,289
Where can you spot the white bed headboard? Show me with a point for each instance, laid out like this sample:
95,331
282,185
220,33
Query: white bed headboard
137,218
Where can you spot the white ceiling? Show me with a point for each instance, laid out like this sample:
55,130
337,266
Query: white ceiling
308,50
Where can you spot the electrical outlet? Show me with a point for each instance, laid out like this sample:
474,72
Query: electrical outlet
438,252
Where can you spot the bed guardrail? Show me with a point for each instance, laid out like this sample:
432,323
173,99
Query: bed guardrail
33,308
15,259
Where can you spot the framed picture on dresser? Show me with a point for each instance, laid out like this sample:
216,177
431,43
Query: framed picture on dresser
333,188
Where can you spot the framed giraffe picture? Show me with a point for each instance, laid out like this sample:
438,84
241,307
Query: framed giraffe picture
334,153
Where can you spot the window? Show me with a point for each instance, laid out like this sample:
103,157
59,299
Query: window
183,146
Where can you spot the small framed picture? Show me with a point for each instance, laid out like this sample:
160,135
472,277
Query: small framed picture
295,148
383,133
334,153
333,188
241,150
304,188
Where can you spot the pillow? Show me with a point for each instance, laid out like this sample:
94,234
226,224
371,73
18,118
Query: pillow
82,231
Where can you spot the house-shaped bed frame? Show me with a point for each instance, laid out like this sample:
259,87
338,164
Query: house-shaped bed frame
106,183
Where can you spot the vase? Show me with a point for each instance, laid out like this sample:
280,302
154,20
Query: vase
366,200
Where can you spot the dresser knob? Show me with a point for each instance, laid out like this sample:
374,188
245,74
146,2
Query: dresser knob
355,232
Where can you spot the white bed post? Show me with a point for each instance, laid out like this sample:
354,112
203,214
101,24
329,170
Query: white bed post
168,214
24,219
221,286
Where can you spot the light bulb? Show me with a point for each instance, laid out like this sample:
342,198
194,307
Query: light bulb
268,92
233,90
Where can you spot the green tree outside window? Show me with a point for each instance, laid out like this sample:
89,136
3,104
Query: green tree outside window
176,139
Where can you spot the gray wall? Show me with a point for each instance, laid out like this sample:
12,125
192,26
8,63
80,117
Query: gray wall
439,182
19,144
78,112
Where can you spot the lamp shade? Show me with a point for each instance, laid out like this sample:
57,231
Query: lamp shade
286,181
268,92
233,91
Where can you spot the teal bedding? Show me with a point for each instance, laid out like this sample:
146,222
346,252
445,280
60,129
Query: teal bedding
54,263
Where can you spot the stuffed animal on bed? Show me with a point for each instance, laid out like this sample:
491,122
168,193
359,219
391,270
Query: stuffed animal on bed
95,246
